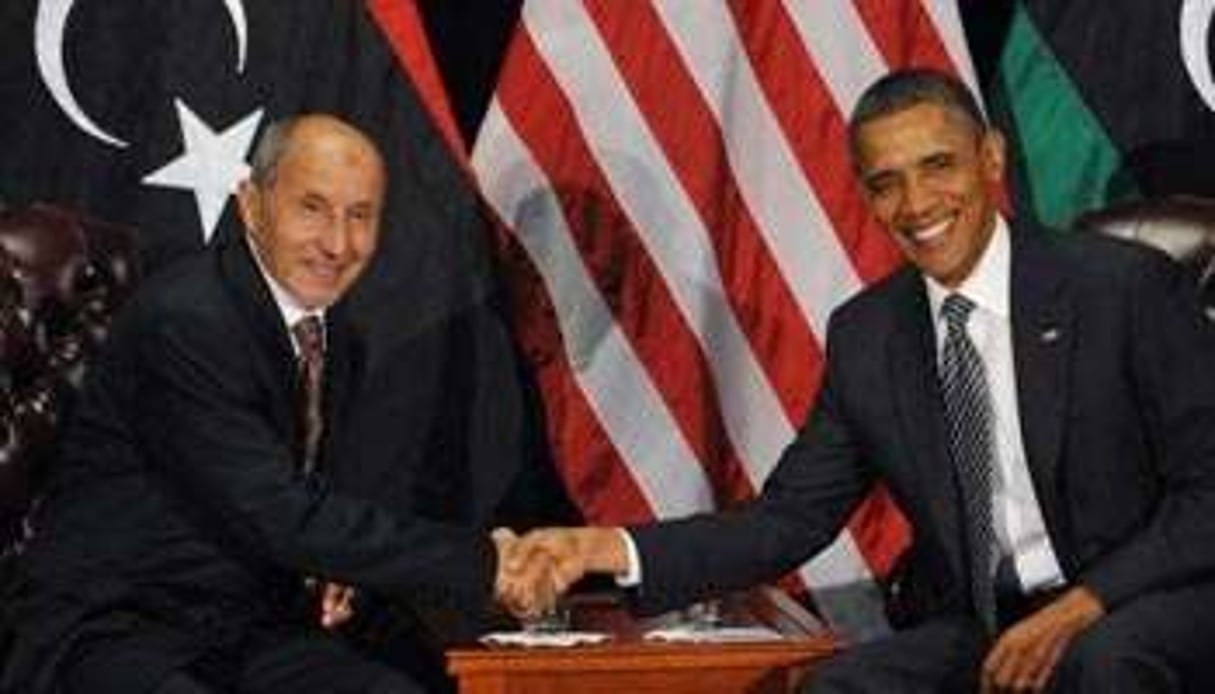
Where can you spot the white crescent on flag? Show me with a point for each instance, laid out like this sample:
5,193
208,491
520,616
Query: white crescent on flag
50,29
1195,24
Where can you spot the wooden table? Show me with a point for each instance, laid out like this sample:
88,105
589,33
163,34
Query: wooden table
629,663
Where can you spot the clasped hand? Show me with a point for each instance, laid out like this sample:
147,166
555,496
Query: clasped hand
536,569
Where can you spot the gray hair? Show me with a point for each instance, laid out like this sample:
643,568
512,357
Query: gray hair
270,150
904,89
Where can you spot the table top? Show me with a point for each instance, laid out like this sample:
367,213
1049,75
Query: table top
802,638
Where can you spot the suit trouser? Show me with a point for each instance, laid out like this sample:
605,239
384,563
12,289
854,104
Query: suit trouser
1159,642
271,662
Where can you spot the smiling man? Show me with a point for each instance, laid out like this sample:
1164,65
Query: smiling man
1041,406
312,211
931,174
196,506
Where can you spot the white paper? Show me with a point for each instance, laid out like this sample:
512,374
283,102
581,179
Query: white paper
694,634
543,639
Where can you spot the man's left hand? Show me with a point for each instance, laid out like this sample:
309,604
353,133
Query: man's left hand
1025,655
337,605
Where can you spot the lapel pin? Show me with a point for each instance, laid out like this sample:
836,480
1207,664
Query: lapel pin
1050,335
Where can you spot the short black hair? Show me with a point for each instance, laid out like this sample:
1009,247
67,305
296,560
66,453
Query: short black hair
904,89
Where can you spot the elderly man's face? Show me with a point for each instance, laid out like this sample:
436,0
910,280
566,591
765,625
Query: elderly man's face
316,224
932,178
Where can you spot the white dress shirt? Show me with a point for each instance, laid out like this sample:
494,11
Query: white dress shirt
1020,529
290,309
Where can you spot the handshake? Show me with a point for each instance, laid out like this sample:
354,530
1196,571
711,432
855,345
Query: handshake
536,569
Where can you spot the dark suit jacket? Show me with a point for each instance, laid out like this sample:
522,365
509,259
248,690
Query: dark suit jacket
178,510
1115,372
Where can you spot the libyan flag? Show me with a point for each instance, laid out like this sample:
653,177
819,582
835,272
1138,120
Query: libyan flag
1107,99
144,112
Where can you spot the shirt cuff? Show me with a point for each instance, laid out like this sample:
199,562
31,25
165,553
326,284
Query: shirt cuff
632,577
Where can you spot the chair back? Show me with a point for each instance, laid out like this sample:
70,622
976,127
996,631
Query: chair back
1181,226
62,278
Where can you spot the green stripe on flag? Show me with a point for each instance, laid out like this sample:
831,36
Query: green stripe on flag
1070,157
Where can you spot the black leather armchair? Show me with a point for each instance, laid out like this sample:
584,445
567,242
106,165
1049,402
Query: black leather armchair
1182,226
62,277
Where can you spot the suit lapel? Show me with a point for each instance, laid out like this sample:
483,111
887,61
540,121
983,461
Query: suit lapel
262,318
343,352
911,358
1043,330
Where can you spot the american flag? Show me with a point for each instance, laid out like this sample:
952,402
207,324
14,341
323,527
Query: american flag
680,220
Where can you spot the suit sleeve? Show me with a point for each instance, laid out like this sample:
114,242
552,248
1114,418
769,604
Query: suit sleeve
1172,360
204,419
804,504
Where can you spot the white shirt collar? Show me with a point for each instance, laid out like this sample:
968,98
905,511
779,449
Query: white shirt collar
288,307
988,284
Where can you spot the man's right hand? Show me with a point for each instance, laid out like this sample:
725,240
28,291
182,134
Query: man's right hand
576,552
536,569
524,585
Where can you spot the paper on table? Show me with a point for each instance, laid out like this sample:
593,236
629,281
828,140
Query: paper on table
544,639
696,634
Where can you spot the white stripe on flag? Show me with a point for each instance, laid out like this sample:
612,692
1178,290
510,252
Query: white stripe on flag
835,35
616,384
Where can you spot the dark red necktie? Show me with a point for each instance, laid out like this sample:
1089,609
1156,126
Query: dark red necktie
309,338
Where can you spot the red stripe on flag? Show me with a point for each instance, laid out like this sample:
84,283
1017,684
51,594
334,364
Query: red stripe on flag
816,130
622,270
905,34
591,468
880,530
778,332
402,26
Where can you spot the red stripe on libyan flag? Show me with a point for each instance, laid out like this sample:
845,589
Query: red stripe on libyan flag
402,25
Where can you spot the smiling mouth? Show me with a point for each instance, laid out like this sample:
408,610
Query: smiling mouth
929,234
327,273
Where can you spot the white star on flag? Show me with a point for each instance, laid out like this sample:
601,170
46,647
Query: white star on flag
211,165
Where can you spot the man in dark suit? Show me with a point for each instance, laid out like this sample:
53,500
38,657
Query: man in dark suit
1042,408
193,518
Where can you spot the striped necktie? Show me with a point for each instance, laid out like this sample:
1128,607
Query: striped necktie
969,422
309,338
